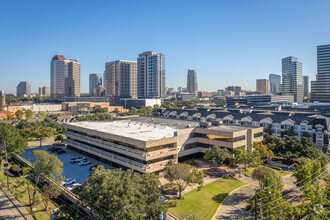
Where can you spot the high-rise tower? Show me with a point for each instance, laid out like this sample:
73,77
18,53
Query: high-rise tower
192,81
274,83
94,81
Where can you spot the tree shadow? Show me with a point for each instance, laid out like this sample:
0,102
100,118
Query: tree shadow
220,197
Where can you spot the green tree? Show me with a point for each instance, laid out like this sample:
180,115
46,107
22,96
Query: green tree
59,137
290,132
263,150
41,114
183,175
9,117
29,113
45,165
19,114
246,157
43,132
260,173
50,191
216,155
117,194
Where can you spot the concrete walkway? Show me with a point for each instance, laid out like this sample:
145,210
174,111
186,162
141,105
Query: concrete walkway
7,208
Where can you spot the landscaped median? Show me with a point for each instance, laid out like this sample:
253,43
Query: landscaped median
204,203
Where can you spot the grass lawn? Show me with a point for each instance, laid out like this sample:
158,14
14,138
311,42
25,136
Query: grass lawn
21,195
250,170
204,203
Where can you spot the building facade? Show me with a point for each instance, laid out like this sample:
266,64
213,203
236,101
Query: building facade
121,78
236,89
23,89
147,144
94,81
2,98
306,86
262,86
321,87
275,83
44,91
292,78
64,77
151,75
192,85
252,100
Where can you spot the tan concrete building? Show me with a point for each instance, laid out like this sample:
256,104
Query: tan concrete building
147,144
263,86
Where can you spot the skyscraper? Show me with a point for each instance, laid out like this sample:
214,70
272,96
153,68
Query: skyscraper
192,81
23,89
321,87
121,78
274,83
262,86
306,86
94,81
151,75
292,78
64,77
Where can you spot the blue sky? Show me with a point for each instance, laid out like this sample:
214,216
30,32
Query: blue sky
228,42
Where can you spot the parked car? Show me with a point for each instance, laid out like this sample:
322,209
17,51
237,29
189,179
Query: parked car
74,185
84,163
61,151
55,149
50,148
68,181
91,168
77,159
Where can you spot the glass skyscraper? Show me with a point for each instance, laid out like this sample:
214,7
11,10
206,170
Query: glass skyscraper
192,81
321,87
292,78
275,83
151,75
94,81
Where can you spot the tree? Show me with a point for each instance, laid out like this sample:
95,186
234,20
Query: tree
268,130
183,175
216,155
41,114
45,165
9,117
43,132
29,113
263,150
118,194
59,137
290,132
19,114
309,149
260,173
50,191
246,157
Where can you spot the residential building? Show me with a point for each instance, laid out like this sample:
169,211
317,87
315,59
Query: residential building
94,81
121,78
320,87
306,86
192,85
203,94
73,106
147,144
151,75
44,91
23,89
292,78
275,83
263,86
302,123
64,77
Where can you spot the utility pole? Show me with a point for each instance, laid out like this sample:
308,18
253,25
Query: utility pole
7,173
255,205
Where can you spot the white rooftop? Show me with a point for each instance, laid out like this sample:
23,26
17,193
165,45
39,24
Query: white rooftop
131,129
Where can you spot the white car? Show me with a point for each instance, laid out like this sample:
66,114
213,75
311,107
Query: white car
74,185
77,159
68,181
84,163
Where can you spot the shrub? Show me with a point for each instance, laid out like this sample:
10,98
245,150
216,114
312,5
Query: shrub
27,170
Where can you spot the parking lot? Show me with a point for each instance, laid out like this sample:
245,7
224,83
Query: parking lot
70,170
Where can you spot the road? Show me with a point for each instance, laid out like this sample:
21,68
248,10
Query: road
7,208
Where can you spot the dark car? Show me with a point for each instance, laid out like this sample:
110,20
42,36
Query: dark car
61,151
50,148
55,149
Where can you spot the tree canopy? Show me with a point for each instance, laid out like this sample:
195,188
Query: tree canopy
246,156
216,155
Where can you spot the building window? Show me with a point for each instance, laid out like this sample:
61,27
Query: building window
256,135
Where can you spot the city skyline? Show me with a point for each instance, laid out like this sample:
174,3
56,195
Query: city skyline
258,52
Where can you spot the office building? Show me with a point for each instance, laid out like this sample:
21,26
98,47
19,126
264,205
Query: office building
306,86
147,144
192,81
262,86
321,87
64,77
44,91
151,75
302,123
121,78
94,81
23,89
2,98
251,100
182,89
275,83
236,89
100,91
292,78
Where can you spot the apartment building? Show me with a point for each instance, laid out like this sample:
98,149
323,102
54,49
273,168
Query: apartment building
317,126
147,144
